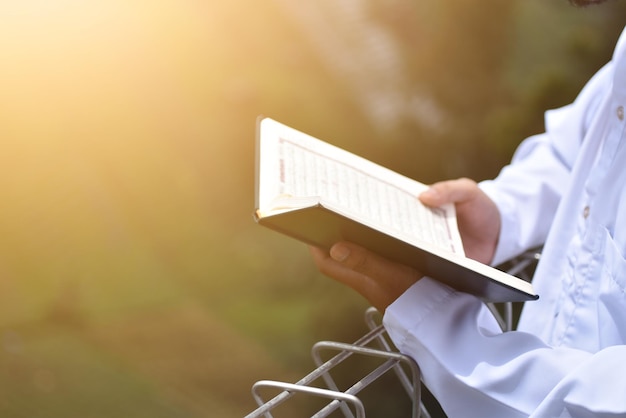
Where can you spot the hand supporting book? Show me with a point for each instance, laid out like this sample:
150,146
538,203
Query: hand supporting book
377,279
320,194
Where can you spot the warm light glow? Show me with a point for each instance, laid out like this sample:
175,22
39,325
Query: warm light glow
109,143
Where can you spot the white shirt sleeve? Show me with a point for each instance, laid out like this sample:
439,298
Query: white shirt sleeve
527,192
475,370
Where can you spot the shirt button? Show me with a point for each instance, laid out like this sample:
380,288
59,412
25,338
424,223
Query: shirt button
620,112
586,212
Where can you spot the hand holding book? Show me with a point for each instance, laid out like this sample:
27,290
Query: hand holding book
320,194
477,216
382,281
376,278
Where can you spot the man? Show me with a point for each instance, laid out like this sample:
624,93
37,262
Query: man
565,189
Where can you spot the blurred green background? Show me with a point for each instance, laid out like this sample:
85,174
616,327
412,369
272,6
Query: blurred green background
133,280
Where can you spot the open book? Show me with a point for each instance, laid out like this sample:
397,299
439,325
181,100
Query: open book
320,194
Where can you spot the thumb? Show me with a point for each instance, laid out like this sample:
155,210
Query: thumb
351,255
370,264
450,191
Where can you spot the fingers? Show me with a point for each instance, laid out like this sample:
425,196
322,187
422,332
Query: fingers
344,262
361,260
450,191
336,270
349,256
378,279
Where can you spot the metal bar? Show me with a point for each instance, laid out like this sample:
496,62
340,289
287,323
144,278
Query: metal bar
357,387
398,357
330,382
326,393
402,376
398,370
264,408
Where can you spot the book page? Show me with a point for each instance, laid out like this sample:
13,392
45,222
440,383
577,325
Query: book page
364,190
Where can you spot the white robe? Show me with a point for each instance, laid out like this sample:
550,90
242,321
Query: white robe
565,188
